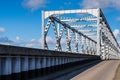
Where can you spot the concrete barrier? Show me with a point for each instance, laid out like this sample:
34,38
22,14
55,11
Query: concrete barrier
16,60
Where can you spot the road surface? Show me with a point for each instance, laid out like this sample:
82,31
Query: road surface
117,76
105,70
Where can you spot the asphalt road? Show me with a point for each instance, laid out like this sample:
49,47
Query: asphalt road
69,73
105,70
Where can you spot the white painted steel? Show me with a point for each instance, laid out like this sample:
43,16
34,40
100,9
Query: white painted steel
92,36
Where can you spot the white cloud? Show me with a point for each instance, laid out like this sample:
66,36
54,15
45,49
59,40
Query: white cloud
20,42
2,30
100,4
5,40
63,41
116,33
118,18
50,40
33,43
116,4
29,45
34,4
17,39
5,43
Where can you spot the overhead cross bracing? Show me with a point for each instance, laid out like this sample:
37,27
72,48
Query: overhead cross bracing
84,31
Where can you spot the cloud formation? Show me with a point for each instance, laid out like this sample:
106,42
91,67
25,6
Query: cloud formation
5,40
32,43
116,33
34,4
36,43
2,30
118,18
101,4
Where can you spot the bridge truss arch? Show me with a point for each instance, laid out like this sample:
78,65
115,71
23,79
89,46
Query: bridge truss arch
85,29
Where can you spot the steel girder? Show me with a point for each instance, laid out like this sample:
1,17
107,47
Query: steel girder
89,35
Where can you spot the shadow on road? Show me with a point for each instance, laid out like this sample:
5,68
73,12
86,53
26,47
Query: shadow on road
67,74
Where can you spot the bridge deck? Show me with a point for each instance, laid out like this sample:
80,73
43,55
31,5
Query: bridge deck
105,70
117,76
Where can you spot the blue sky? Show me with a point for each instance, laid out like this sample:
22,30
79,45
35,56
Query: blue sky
20,20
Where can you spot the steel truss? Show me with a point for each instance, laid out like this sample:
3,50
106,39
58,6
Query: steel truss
90,34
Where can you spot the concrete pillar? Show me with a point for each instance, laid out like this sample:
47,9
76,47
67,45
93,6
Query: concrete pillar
41,62
0,66
24,63
37,63
16,64
31,63
49,62
52,61
57,61
6,67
